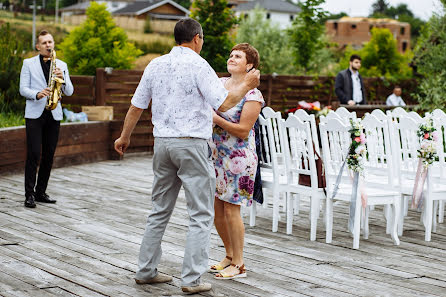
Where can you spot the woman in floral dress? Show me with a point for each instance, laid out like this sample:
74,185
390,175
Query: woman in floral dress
235,161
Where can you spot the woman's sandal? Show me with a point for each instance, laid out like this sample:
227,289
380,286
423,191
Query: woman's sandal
218,267
241,273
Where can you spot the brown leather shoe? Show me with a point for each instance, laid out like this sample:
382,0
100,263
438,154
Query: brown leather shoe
159,278
204,287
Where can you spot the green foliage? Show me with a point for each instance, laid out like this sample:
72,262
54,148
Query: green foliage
11,119
217,20
184,3
380,57
97,43
10,66
271,42
306,32
430,59
332,16
155,47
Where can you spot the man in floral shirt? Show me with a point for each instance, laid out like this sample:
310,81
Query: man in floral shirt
183,89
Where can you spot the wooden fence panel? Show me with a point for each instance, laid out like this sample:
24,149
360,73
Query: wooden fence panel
84,93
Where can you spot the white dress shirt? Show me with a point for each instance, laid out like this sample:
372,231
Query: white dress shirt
394,100
357,91
183,89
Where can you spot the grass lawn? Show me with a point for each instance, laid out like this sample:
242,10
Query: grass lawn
11,120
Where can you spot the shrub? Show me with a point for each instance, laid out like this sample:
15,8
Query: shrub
10,66
96,43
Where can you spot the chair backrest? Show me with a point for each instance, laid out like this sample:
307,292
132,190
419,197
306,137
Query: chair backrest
415,116
439,119
299,152
379,159
345,114
274,118
335,138
305,117
379,114
406,143
329,116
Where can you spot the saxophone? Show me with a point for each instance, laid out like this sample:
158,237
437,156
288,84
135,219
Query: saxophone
54,83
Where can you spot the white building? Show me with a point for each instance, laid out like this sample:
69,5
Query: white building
278,11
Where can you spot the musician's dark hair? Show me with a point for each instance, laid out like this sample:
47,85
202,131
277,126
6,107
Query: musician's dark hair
42,33
186,29
355,57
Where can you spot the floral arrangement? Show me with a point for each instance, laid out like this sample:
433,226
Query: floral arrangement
357,151
314,107
428,143
324,111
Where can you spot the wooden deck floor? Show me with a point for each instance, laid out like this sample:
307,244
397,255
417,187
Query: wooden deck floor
87,245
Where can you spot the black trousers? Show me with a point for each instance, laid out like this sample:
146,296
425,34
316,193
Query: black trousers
42,135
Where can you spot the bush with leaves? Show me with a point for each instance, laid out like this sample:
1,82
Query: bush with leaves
380,57
10,66
97,43
217,19
271,42
306,33
430,60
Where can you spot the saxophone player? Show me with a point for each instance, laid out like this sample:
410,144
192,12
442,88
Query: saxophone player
42,124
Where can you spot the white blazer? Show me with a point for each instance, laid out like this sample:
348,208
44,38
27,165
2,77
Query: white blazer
32,81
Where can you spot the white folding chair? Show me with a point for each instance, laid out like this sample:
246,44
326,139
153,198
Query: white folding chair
335,137
300,159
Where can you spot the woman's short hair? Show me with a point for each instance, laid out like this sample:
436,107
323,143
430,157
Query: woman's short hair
252,55
186,29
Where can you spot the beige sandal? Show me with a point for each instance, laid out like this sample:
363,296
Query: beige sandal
241,273
218,267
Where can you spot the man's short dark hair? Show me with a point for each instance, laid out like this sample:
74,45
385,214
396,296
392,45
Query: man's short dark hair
42,33
355,57
186,29
396,87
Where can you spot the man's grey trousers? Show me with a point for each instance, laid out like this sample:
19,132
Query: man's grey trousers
176,162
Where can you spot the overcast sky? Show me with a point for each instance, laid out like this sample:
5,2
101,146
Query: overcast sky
421,8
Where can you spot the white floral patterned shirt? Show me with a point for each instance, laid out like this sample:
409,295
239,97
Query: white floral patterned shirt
183,89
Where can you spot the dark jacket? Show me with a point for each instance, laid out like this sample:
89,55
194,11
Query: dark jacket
344,87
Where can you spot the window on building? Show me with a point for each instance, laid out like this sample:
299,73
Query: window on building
354,26
402,30
268,15
370,27
291,17
335,25
404,46
246,16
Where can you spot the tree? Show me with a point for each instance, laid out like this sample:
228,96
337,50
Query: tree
96,43
217,20
380,57
10,65
271,42
430,62
332,16
380,7
184,3
306,32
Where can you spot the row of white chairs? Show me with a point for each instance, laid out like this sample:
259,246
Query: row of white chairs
390,167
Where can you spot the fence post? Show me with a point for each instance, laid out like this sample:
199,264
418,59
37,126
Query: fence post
100,87
270,89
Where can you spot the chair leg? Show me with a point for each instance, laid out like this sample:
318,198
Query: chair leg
289,213
388,216
441,212
401,215
275,211
252,214
296,203
314,215
434,216
395,219
328,220
406,205
357,225
428,205
366,222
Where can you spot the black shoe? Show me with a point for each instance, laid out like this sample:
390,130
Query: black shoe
29,201
44,198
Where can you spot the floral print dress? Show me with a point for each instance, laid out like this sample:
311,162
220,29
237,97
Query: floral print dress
235,159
